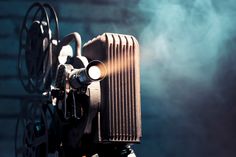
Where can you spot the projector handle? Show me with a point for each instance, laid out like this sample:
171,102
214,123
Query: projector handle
68,39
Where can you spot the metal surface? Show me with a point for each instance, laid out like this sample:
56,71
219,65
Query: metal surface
119,117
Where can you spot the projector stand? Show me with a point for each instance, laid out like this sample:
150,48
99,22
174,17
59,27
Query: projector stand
116,151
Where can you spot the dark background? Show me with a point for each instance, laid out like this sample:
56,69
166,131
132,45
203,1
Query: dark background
188,69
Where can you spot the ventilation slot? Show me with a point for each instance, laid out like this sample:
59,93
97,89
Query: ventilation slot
121,82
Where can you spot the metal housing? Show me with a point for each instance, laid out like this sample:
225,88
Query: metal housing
119,115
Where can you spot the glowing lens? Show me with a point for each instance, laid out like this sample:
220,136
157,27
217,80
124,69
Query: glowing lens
94,72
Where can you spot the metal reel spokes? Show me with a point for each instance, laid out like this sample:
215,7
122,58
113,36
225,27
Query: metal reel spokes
31,136
35,48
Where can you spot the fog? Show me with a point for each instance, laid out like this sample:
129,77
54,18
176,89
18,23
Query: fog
188,77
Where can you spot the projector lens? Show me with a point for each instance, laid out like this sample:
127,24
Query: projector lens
94,72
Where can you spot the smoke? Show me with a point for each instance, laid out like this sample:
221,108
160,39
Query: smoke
183,41
188,50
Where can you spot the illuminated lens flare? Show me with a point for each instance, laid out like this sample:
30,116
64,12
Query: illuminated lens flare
94,72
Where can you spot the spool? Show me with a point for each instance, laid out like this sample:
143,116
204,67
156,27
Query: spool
37,41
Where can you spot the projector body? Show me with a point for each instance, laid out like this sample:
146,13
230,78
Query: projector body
89,99
119,114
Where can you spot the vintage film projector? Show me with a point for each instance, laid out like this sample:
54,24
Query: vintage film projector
85,100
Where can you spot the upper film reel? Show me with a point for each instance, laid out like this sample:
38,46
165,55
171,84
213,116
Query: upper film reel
39,36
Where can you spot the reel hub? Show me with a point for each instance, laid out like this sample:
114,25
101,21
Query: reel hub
38,44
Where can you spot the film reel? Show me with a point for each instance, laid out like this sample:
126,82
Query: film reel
36,47
31,134
37,60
